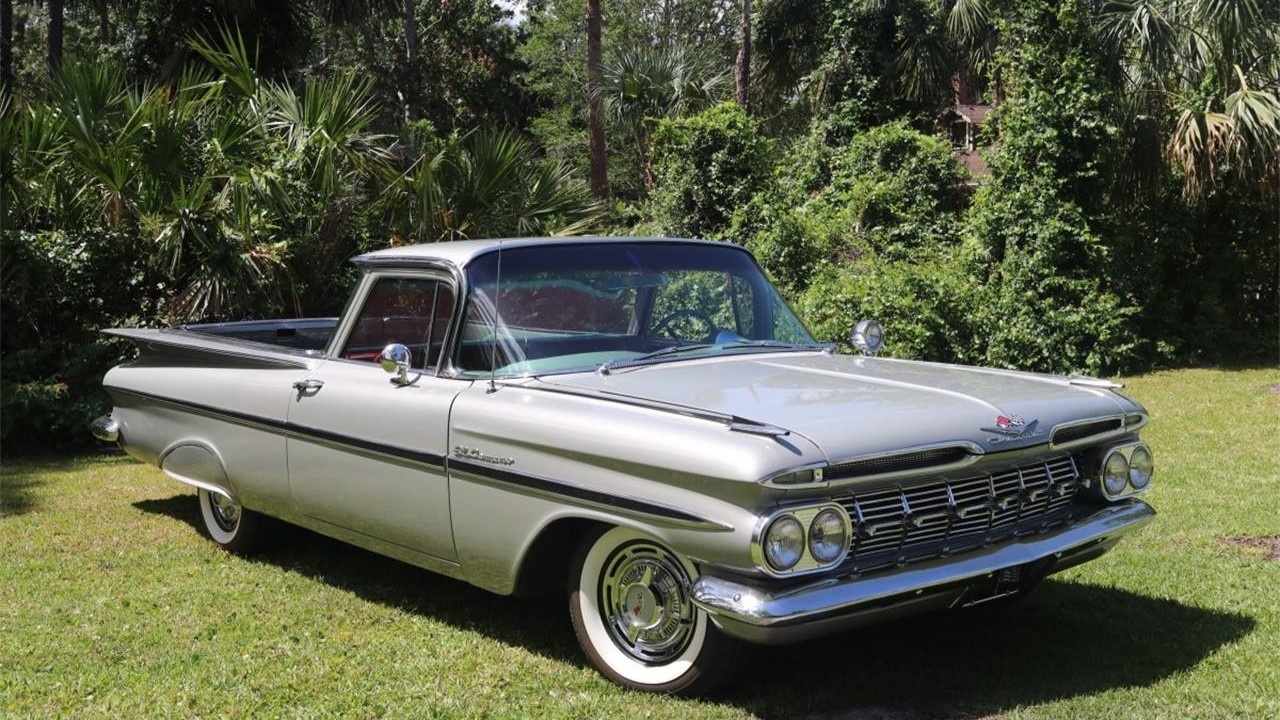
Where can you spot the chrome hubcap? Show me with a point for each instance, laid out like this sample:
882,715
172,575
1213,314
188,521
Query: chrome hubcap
226,512
645,603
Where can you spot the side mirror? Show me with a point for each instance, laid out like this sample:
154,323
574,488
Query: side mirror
868,337
395,358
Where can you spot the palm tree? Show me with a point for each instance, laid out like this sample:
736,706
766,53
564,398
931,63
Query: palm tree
643,83
1208,73
595,105
486,184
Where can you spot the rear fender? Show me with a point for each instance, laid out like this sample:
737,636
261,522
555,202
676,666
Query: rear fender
198,465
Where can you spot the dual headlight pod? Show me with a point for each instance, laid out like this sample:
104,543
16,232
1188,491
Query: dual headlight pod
805,539
1126,470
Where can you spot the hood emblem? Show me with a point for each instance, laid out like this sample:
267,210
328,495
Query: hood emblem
1013,427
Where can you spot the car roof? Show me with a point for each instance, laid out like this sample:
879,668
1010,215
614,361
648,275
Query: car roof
461,252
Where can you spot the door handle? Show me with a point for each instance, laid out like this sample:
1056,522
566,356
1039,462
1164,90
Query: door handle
309,385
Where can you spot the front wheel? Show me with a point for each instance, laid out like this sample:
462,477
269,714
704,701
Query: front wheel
232,526
630,607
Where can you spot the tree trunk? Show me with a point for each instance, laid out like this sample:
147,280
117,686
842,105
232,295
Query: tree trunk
595,104
104,22
412,47
55,35
6,47
742,73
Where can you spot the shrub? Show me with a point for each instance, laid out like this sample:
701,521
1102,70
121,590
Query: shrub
927,308
889,193
706,167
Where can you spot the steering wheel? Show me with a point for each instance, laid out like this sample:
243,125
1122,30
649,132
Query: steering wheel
664,324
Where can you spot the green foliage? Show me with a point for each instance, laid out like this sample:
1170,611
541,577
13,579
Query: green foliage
706,167
890,193
226,196
487,184
927,307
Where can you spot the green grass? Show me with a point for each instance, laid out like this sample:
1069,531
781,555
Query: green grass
112,604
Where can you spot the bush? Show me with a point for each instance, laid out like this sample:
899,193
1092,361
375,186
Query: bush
927,308
706,167
1047,302
890,193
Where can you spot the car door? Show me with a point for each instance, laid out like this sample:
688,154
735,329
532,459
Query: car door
365,453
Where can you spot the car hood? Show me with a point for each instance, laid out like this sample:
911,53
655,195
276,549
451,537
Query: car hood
851,406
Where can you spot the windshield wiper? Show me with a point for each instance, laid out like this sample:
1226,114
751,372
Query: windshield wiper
825,347
612,365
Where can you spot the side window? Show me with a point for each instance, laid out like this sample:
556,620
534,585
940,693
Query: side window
414,312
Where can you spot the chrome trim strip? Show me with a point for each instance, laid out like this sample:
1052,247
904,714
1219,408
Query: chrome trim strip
1125,428
294,430
763,607
1095,383
585,495
732,422
187,341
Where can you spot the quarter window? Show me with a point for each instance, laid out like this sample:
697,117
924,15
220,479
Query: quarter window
414,312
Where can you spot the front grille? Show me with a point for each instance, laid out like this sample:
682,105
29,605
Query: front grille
906,524
897,463
1077,432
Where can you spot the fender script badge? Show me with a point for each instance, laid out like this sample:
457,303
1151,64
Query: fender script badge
467,453
1013,427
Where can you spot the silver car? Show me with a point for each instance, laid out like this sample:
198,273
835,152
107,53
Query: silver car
644,425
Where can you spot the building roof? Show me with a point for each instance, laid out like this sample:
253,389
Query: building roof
975,114
461,252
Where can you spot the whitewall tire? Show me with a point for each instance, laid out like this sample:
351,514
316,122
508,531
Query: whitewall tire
630,607
229,524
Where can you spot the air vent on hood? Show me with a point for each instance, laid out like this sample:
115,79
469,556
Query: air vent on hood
918,460
1084,430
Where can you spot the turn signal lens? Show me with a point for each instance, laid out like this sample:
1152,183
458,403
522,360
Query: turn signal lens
784,543
827,536
1115,473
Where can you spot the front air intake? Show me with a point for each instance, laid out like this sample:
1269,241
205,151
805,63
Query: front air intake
918,460
1084,430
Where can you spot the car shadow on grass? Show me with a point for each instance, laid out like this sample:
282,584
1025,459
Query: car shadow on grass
1064,640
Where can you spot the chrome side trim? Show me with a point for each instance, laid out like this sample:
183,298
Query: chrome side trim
732,422
106,428
761,606
582,495
294,430
245,351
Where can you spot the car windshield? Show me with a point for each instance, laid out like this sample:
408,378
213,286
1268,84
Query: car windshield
572,307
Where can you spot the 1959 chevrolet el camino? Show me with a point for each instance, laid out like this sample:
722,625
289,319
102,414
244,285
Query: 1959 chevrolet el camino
645,425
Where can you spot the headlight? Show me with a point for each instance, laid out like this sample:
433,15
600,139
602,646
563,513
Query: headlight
827,536
1115,473
1141,467
784,543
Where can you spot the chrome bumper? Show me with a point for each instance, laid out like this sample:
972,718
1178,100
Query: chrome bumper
106,428
763,615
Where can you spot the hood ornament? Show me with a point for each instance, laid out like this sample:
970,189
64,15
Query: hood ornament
1013,427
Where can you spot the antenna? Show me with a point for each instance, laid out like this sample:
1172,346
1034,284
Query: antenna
493,346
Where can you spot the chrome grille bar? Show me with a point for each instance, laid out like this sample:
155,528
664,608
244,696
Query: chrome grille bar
903,524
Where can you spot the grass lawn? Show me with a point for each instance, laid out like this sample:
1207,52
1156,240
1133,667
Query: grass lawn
112,604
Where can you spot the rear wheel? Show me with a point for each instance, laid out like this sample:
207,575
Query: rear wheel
630,607
232,526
